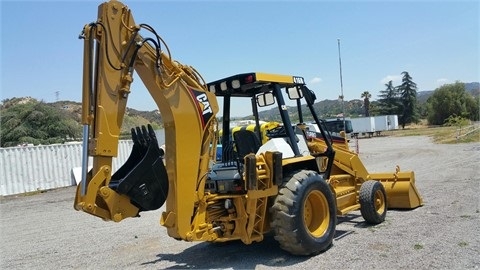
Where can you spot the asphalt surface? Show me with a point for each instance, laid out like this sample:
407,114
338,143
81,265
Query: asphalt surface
43,231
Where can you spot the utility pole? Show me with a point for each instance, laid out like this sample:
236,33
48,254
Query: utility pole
341,87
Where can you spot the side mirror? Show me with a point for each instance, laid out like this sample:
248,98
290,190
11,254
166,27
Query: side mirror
265,99
294,93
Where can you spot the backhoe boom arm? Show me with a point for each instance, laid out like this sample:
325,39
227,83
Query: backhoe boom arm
113,51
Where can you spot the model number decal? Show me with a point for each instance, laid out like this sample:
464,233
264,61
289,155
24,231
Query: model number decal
298,80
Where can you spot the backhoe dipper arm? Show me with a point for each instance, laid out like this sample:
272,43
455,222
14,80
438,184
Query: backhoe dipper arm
113,51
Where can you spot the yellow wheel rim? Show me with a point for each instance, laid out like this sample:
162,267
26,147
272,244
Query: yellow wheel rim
379,201
316,213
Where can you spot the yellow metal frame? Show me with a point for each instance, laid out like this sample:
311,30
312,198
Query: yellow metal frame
188,110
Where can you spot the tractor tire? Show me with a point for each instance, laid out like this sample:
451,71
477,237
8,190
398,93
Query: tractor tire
373,202
303,215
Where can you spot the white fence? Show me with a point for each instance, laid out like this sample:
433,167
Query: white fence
34,168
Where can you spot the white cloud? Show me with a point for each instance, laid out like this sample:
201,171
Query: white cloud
394,78
442,81
315,80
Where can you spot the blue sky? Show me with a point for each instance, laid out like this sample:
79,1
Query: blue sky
437,42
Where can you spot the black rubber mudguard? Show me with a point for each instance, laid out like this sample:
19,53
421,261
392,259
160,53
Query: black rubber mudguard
143,177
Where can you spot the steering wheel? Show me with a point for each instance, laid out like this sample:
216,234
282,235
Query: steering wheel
277,132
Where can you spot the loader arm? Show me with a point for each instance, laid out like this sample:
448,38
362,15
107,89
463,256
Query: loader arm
113,51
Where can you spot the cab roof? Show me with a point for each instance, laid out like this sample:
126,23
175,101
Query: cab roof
251,84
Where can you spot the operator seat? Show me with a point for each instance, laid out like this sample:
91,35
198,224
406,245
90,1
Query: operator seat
246,142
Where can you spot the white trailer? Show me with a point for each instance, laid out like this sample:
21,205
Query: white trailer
363,126
393,121
385,122
381,124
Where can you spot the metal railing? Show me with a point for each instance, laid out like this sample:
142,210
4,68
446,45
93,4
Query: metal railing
464,131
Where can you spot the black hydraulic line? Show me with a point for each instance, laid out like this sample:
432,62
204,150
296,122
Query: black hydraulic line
159,41
106,47
130,45
132,60
157,49
151,29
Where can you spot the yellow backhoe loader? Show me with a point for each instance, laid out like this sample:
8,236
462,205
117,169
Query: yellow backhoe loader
292,185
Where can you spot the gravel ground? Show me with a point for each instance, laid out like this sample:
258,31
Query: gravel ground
43,230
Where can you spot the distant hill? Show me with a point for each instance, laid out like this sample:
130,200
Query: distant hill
70,110
26,120
332,108
132,116
472,88
325,109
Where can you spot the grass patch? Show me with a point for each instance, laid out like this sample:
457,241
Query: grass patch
471,137
31,193
463,244
440,134
418,246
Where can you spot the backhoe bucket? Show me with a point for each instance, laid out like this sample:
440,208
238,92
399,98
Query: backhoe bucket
143,177
400,189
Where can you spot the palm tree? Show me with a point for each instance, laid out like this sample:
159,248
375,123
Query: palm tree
366,102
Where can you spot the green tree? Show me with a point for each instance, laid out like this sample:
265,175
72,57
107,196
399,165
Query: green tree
451,100
31,121
408,98
366,102
422,110
389,100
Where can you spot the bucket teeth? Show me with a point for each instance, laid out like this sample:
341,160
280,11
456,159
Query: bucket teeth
143,177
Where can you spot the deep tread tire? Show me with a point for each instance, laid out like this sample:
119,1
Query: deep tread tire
304,214
373,202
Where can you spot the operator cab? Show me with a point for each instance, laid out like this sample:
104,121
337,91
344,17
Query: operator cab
261,90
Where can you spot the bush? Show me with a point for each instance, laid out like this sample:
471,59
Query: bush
457,121
451,100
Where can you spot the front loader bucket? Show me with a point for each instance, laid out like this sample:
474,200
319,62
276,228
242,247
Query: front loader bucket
143,177
400,188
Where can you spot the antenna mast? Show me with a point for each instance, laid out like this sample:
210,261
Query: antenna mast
341,85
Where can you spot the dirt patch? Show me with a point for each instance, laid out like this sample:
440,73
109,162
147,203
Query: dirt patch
43,230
